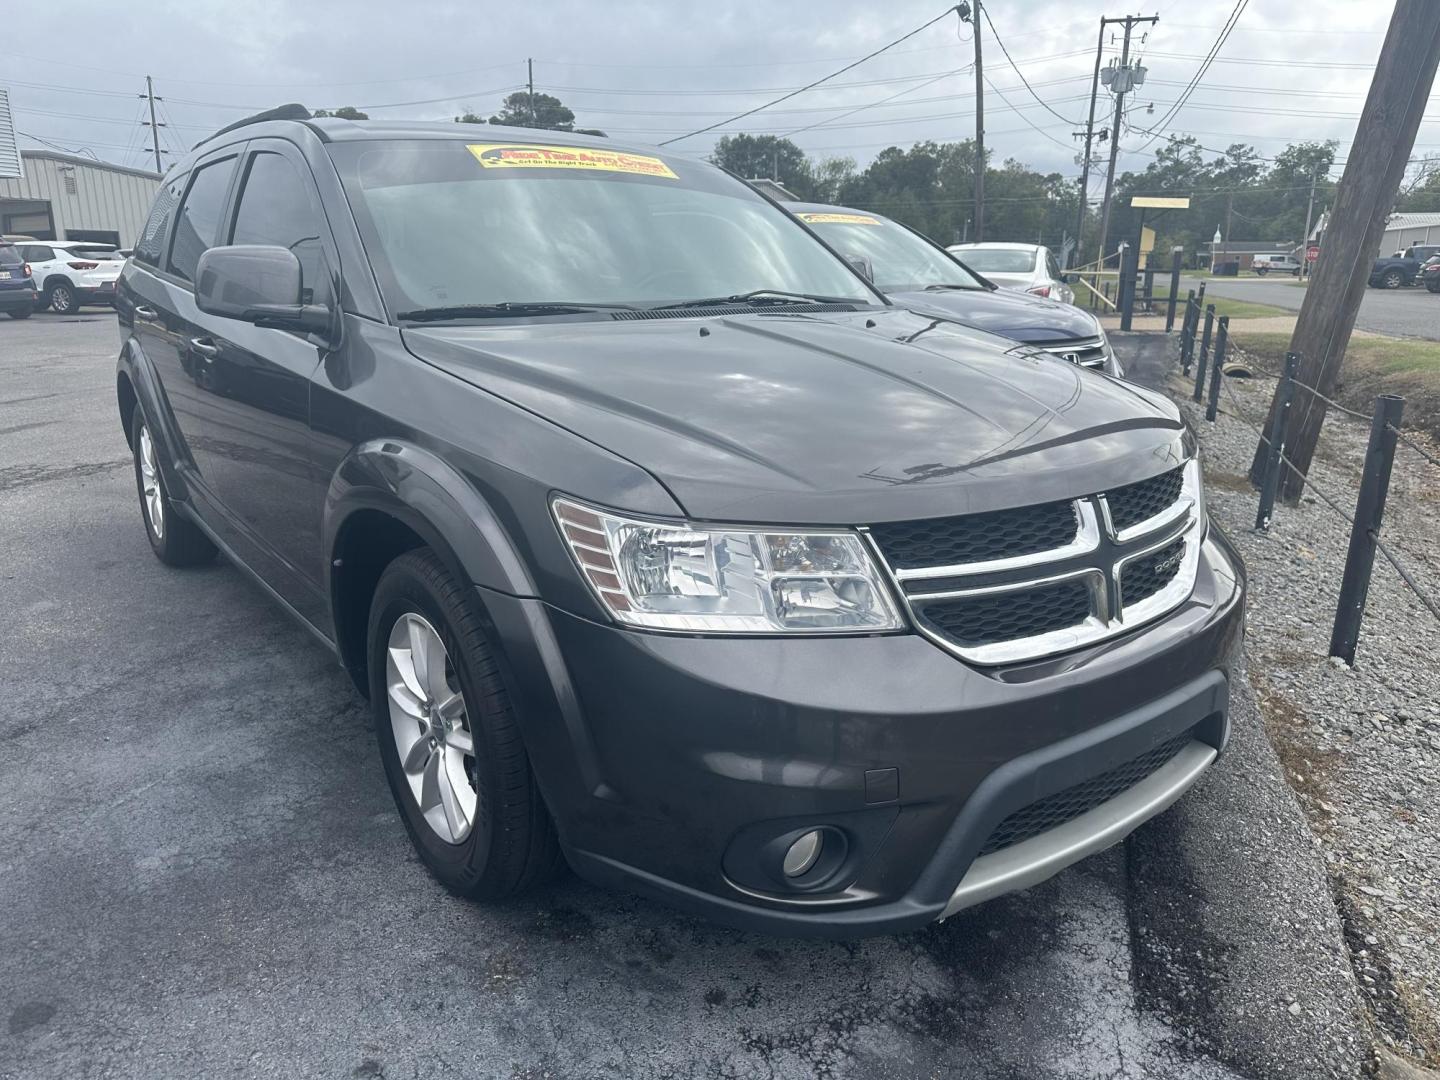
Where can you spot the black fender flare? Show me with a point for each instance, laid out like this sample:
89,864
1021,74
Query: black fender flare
136,367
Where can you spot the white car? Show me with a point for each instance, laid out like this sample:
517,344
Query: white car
1279,264
69,273
1029,268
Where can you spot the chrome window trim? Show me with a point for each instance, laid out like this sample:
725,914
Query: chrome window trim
1087,539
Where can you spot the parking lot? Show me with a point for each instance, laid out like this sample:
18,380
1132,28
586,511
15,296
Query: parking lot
1409,312
202,872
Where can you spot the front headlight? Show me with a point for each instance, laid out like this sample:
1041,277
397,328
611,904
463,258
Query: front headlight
714,580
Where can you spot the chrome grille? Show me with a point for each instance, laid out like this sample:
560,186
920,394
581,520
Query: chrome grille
977,537
1016,585
1087,352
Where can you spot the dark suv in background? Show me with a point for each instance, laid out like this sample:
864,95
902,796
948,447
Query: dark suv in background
658,540
17,285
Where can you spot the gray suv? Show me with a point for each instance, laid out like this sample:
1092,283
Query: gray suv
661,543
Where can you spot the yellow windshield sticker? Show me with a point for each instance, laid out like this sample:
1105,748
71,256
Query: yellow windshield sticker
838,219
524,156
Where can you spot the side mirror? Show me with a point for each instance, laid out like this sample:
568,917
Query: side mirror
863,265
1064,279
260,284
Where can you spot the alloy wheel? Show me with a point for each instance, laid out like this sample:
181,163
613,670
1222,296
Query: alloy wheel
62,300
431,726
150,485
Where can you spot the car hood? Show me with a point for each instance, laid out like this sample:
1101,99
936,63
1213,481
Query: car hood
1030,319
878,415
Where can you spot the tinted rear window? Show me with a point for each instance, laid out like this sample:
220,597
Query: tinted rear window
997,260
9,256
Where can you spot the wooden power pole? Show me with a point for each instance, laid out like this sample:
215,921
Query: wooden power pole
1375,166
1124,81
1089,142
979,130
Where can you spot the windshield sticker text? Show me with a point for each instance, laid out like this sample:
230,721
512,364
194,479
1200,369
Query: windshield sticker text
838,219
522,156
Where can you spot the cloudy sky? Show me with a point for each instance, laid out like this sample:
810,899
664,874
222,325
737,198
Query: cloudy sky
651,71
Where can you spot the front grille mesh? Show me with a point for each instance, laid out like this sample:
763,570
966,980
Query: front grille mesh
977,537
971,621
1135,503
1054,810
1142,578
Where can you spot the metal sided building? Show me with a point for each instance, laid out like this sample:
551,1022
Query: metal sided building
68,197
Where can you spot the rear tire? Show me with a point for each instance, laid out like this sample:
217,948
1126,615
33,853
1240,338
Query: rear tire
1392,279
176,541
496,838
62,299
25,314
1261,271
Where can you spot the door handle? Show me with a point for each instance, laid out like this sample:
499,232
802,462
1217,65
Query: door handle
146,313
205,347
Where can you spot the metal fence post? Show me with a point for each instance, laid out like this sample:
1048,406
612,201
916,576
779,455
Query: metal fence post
1204,353
1270,480
1128,269
1187,332
1222,339
1175,255
1149,293
1369,509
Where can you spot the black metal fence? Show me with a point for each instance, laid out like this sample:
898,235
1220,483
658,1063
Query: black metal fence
1386,437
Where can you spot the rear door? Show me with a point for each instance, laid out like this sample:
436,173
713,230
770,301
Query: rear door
252,439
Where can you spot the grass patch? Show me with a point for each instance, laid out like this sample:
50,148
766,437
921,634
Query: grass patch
1224,305
1372,366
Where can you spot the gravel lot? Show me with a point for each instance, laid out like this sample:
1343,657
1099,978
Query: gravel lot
1409,312
1361,746
202,873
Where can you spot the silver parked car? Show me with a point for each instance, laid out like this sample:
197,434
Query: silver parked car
1027,268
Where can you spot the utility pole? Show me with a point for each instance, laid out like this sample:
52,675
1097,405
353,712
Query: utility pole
154,125
979,131
1384,139
1305,240
530,80
1089,138
1122,81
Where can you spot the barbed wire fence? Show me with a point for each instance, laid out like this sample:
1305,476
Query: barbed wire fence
1386,437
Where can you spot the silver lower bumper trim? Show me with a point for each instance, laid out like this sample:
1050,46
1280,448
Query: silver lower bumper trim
1032,861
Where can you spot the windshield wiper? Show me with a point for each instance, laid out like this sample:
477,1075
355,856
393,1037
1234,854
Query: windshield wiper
936,288
505,309
760,297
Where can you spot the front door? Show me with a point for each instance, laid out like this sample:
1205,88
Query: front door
252,441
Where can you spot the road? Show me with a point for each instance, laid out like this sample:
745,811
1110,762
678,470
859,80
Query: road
202,873
1411,312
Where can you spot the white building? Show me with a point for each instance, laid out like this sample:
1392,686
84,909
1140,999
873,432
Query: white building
1401,230
68,197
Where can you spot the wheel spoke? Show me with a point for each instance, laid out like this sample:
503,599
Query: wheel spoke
420,656
419,756
461,740
454,815
451,707
430,781
403,662
404,699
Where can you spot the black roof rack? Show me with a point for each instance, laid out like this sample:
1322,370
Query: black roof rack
292,111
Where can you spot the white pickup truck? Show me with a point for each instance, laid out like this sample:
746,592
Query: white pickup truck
1280,264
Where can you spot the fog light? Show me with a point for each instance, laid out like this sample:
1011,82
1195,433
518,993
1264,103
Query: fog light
803,854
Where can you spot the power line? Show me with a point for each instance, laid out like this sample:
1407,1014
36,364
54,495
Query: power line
1016,109
1220,40
878,104
817,82
991,23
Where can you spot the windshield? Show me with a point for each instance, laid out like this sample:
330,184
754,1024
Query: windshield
998,260
450,225
900,260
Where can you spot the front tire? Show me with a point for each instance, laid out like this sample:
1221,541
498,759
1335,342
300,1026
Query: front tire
1261,271
62,299
450,738
176,541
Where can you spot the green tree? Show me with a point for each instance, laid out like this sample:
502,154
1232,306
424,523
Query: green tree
523,109
345,112
766,156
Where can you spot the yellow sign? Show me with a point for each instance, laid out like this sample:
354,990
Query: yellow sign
523,156
1147,239
838,219
1159,202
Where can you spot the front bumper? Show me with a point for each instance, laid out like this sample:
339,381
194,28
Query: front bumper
670,762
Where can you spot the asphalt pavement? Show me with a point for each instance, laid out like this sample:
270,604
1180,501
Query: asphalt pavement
1410,312
202,872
